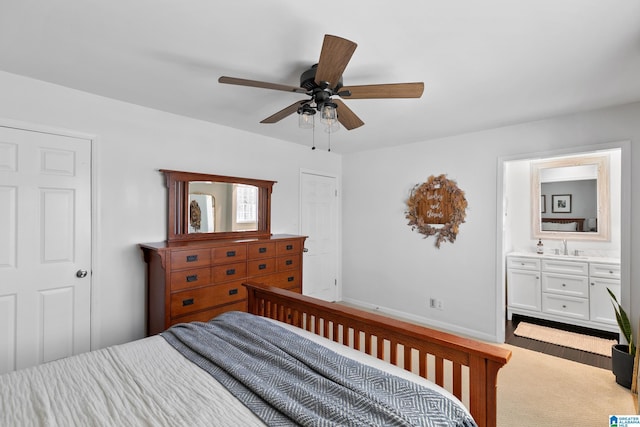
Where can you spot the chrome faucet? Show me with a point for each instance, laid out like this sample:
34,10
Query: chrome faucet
565,250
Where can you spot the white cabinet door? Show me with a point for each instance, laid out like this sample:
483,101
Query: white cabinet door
600,307
523,289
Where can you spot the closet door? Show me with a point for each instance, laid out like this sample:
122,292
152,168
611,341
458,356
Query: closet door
45,247
319,221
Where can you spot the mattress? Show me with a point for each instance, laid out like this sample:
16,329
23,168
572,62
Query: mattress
141,383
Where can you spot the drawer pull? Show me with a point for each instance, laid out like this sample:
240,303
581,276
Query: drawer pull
564,306
289,247
233,291
192,278
231,253
290,279
231,272
289,262
262,250
192,258
610,272
262,266
564,284
186,302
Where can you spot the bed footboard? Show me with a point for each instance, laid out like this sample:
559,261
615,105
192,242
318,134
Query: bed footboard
466,367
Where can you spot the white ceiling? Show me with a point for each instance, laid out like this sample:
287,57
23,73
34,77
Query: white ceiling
485,63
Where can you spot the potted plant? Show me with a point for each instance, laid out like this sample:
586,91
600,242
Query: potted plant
622,355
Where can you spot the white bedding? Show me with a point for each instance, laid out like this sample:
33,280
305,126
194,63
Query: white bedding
142,383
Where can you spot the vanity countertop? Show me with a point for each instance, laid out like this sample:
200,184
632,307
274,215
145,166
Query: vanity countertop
605,260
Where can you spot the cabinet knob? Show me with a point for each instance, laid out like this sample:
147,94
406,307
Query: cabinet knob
593,284
564,306
610,272
564,284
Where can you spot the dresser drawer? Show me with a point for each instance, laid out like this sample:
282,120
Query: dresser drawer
565,267
226,272
577,286
577,308
206,315
286,280
208,297
259,267
288,247
523,263
285,263
190,258
191,278
607,271
261,250
230,253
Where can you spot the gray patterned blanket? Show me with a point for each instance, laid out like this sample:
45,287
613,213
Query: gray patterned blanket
289,380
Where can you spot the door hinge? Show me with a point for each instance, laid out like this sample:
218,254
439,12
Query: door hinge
335,282
336,193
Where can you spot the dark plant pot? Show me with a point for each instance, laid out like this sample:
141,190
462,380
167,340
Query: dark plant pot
622,364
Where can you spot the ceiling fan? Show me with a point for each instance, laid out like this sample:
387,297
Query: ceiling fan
323,81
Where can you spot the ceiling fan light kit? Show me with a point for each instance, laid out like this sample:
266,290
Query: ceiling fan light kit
323,81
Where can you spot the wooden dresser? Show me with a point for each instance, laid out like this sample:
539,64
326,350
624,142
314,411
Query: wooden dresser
198,280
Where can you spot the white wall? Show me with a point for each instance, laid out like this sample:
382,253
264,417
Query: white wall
132,144
387,265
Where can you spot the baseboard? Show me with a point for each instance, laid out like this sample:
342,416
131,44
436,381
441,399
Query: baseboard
429,323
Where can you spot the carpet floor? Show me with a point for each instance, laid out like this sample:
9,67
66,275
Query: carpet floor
538,390
582,342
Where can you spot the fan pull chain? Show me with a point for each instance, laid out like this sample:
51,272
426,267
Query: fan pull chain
329,130
313,134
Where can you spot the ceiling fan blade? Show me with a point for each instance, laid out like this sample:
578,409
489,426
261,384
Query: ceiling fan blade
259,84
284,112
392,90
346,117
334,57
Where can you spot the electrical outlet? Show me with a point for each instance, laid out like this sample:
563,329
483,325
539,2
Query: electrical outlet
436,303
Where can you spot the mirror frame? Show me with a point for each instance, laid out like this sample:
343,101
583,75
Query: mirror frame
178,197
604,221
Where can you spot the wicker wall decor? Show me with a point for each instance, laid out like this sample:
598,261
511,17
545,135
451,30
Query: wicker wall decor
437,207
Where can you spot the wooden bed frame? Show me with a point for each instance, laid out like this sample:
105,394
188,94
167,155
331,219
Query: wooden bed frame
470,367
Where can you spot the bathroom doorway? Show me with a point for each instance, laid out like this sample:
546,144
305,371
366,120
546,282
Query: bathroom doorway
515,230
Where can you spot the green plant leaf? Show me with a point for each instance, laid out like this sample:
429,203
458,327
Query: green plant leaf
623,322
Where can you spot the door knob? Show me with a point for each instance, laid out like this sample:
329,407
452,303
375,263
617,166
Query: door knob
81,274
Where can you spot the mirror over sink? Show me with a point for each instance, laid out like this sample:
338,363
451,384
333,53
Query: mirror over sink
570,198
204,207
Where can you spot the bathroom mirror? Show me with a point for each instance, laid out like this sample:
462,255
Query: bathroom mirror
203,206
570,198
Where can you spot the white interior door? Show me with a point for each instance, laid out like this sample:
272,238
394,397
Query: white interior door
45,246
319,221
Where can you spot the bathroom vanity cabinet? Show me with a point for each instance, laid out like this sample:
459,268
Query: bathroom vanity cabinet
564,289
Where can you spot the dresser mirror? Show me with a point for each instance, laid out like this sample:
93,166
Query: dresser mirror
570,198
203,207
